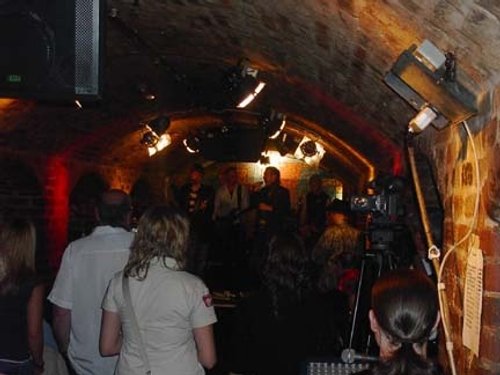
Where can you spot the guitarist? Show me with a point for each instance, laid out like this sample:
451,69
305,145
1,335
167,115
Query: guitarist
231,200
197,199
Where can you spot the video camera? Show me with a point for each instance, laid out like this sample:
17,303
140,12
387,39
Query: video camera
385,204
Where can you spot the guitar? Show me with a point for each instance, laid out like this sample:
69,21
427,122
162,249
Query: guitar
233,217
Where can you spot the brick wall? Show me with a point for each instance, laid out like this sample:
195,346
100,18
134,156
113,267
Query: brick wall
40,187
454,164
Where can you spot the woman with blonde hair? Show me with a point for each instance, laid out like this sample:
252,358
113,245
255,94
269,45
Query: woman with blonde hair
155,315
21,300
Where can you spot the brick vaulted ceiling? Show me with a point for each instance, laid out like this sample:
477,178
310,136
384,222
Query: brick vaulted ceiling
323,60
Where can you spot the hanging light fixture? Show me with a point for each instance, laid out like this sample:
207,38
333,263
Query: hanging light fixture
242,85
192,144
155,136
310,151
273,123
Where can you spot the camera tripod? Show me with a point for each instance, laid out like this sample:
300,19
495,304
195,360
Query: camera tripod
377,260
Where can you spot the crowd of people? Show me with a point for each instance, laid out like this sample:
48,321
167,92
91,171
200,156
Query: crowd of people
137,302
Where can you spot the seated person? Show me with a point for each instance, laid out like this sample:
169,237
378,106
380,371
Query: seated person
404,315
286,322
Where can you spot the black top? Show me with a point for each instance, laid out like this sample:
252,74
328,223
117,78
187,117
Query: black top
267,344
271,222
198,205
14,323
316,209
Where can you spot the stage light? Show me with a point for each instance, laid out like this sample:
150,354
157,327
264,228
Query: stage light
308,148
250,97
310,151
427,79
422,120
162,142
155,137
192,144
242,85
273,124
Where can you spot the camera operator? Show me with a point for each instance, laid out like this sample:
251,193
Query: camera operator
338,252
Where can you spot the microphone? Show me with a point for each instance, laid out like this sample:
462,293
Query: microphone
350,356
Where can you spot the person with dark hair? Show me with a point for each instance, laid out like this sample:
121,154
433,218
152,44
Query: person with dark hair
21,301
312,213
273,209
404,316
286,322
87,266
172,307
197,201
273,204
338,251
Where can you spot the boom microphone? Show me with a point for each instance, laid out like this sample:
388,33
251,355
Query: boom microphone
350,356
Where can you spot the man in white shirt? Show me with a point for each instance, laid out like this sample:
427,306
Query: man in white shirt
87,266
231,201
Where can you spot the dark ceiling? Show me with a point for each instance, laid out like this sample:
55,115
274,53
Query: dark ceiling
323,62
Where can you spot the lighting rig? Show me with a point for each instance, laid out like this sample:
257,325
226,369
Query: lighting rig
427,79
241,84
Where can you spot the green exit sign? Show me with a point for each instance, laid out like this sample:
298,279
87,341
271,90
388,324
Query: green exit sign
14,78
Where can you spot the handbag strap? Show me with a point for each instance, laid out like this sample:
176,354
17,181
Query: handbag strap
135,326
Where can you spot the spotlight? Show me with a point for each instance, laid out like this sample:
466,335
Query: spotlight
427,79
273,124
155,137
242,85
309,151
250,97
422,120
192,144
308,148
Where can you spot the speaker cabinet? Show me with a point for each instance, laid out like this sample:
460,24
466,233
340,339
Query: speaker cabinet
51,49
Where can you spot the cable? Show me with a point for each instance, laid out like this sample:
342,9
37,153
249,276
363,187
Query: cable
476,205
441,285
433,255
434,252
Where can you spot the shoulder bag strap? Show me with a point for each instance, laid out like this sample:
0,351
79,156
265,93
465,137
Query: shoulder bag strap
129,310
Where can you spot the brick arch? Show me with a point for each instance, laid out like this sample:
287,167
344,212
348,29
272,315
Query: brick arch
83,202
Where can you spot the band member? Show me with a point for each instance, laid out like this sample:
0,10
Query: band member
273,211
231,201
196,199
313,211
231,198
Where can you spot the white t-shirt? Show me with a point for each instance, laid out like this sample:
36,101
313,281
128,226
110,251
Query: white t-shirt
168,304
226,203
87,266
